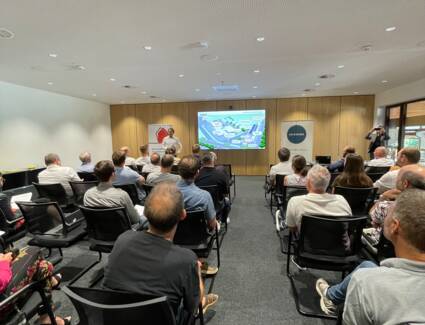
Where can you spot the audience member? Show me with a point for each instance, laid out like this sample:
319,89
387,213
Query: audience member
147,262
208,175
406,156
56,173
283,167
86,165
165,174
172,151
338,166
153,165
125,175
317,201
377,137
5,207
298,178
129,161
171,141
380,158
144,158
196,151
353,174
392,293
104,195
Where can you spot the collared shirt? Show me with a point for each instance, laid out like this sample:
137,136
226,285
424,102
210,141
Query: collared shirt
315,204
130,161
105,195
196,199
168,142
54,174
149,168
86,168
380,211
387,181
155,178
143,160
337,166
125,175
282,168
390,294
380,162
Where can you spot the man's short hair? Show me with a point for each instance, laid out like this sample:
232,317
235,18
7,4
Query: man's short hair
104,170
85,157
155,158
283,154
412,155
382,151
410,211
348,149
50,158
196,148
188,167
171,150
118,157
167,161
319,177
144,149
163,206
207,159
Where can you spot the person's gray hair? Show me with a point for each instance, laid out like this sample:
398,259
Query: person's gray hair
50,158
213,155
319,177
85,157
410,211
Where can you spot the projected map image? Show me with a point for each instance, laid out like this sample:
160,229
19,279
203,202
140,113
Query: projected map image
232,129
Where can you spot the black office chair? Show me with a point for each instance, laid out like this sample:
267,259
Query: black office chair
48,227
323,160
375,176
333,177
359,199
87,177
55,193
277,192
175,169
132,191
232,179
326,243
11,229
148,188
218,205
107,307
375,169
79,188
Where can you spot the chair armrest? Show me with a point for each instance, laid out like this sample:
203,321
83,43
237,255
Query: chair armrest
14,221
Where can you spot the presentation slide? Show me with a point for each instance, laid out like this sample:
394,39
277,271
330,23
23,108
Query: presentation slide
227,130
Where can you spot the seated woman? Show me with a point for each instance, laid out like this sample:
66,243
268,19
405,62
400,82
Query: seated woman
298,178
21,267
353,174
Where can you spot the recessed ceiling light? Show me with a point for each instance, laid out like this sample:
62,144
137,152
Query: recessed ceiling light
112,79
197,89
122,102
303,95
81,67
255,87
384,81
317,84
53,55
390,29
147,47
218,74
94,95
181,75
143,92
341,66
356,93
260,38
254,96
50,83
164,100
257,71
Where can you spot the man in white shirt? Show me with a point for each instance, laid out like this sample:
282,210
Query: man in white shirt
380,159
165,174
317,201
129,161
406,156
56,173
171,140
153,166
284,167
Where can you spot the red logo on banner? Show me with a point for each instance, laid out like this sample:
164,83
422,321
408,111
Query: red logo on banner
161,133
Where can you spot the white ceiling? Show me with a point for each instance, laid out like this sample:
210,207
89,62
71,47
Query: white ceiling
303,39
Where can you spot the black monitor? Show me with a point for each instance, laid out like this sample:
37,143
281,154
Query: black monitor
14,180
323,160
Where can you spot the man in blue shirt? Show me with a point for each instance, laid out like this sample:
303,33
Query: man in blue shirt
338,166
125,175
86,165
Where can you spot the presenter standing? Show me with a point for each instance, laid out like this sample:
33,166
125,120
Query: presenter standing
377,138
171,140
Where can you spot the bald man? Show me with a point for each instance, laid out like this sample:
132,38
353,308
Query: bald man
380,158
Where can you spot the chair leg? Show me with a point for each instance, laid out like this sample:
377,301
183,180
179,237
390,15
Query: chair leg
218,247
234,187
47,306
201,315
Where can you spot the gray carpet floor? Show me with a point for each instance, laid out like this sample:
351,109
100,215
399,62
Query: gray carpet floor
252,283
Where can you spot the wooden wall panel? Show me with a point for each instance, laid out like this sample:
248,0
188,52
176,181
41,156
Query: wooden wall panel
176,114
146,114
123,126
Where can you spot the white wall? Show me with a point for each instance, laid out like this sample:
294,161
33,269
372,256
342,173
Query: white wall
35,122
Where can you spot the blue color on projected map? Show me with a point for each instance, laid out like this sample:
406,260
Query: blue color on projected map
232,129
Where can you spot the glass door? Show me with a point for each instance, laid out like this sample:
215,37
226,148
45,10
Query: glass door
414,128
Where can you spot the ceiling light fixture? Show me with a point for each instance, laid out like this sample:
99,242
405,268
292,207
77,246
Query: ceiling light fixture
53,55
341,66
181,75
255,87
122,102
390,29
164,100
303,95
197,89
384,81
147,47
94,95
112,79
257,71
50,83
317,84
356,93
260,38
254,96
143,92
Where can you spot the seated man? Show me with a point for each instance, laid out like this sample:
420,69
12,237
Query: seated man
317,201
147,262
125,175
196,151
338,166
172,151
153,165
129,161
380,159
392,293
406,156
144,158
284,167
209,175
86,165
5,207
56,173
104,195
165,174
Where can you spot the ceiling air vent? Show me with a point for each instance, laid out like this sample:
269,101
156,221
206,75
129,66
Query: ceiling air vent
308,90
327,76
6,34
128,86
153,97
224,88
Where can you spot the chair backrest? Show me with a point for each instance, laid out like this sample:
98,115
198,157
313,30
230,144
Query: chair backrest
323,159
148,188
213,190
175,169
227,169
193,229
377,169
104,225
41,217
87,177
53,192
333,177
145,175
291,191
375,176
278,184
107,307
359,199
80,188
131,189
331,236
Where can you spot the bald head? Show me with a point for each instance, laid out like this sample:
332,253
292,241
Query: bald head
407,156
164,207
411,176
155,159
380,152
